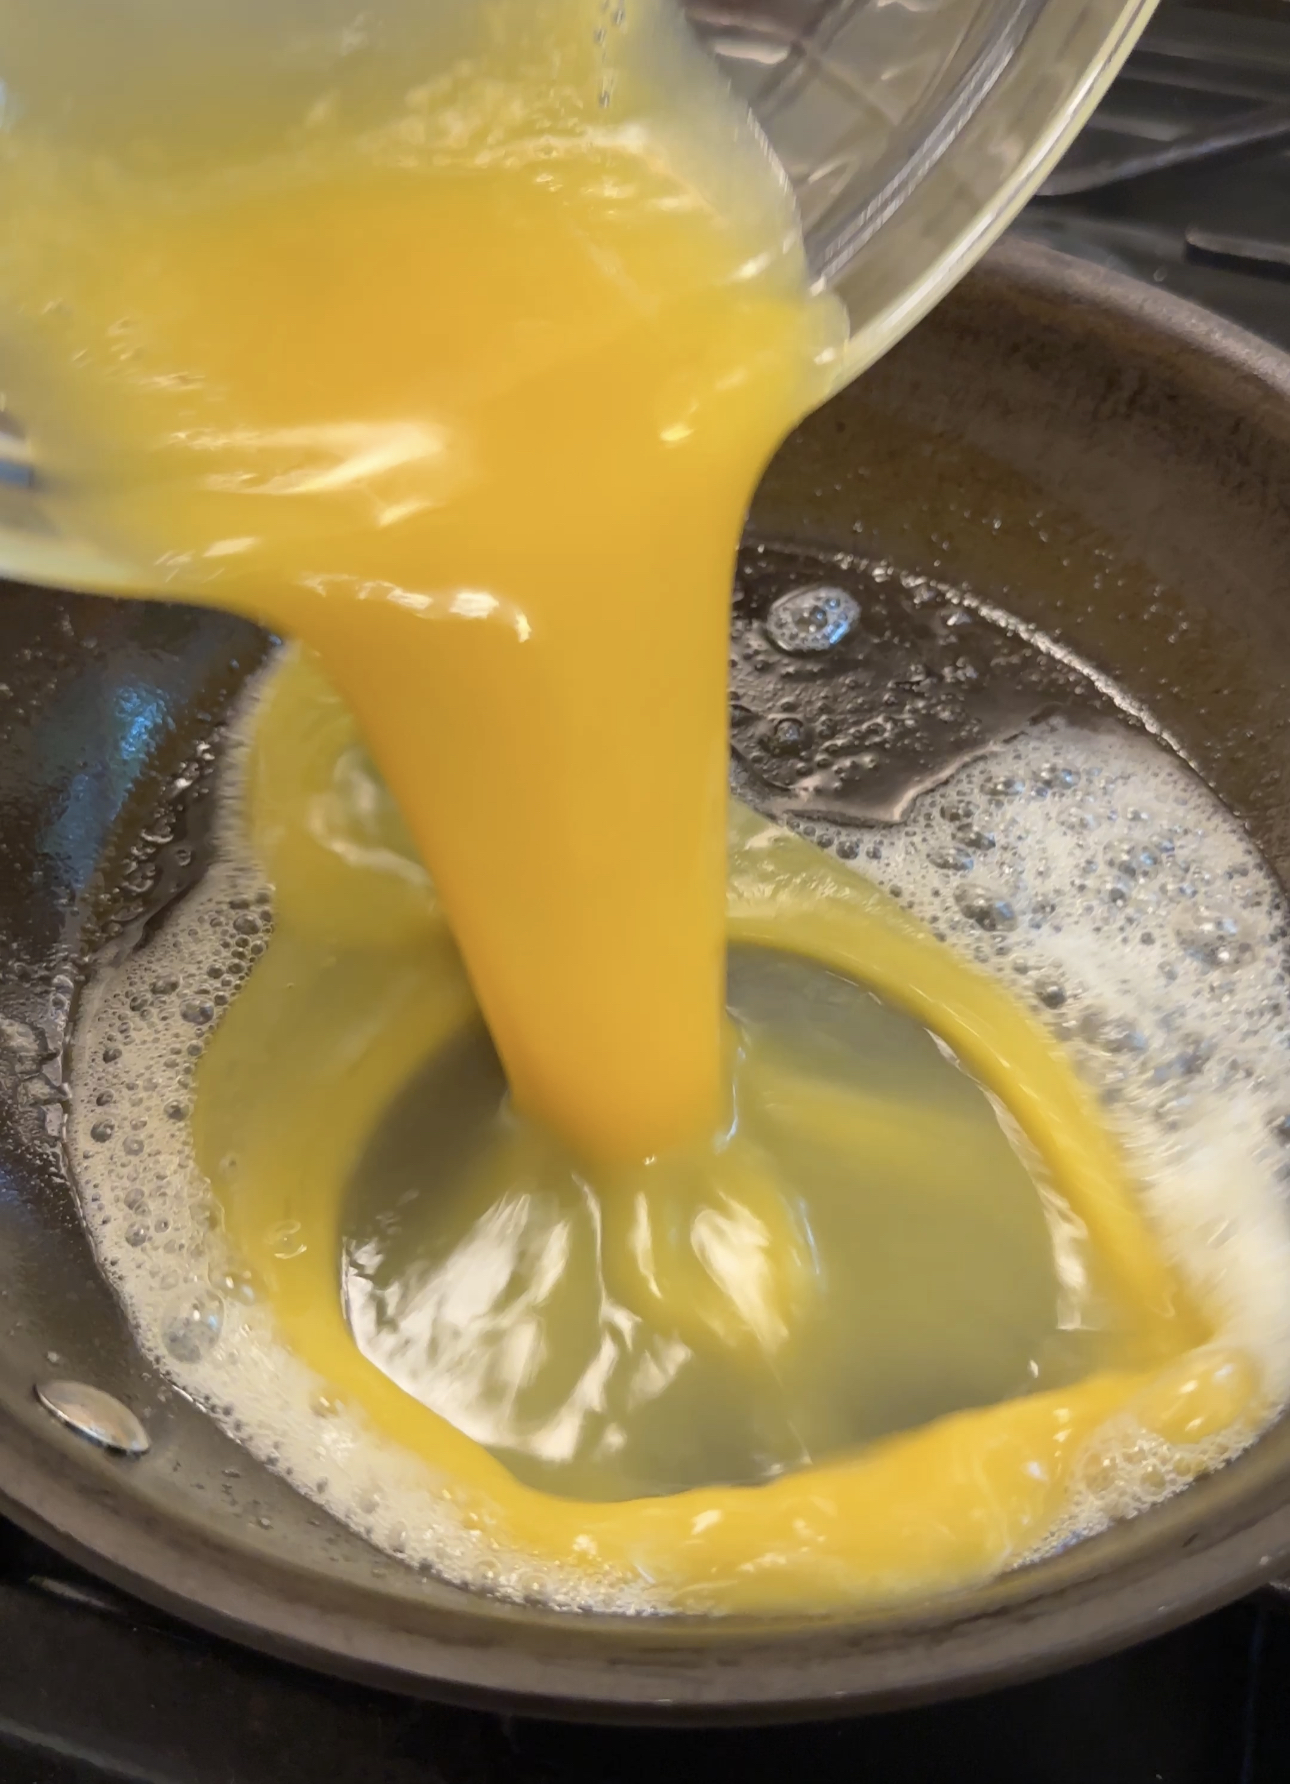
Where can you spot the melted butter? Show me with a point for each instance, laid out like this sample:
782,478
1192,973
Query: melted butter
458,358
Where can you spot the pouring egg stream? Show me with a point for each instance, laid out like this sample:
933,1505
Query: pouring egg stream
431,1144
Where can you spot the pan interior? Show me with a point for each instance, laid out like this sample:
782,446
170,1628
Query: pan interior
1036,827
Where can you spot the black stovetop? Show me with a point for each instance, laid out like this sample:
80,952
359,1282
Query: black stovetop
95,1687
1215,230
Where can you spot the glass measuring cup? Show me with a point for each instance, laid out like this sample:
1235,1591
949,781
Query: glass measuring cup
911,132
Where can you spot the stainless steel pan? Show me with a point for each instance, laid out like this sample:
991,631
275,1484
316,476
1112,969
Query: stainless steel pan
1049,421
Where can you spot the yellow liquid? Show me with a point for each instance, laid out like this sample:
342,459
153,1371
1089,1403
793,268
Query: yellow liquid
472,400
361,985
463,376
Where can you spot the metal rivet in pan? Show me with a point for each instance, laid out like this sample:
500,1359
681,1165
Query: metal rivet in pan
95,1415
